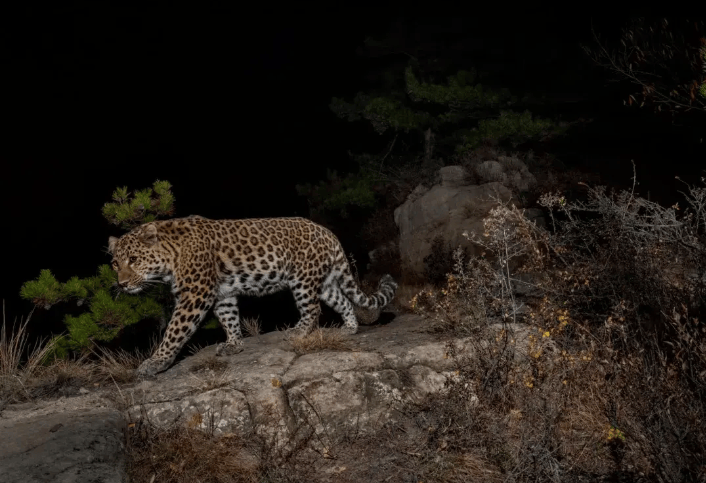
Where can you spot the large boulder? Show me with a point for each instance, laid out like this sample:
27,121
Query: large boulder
445,210
273,391
453,176
456,206
507,170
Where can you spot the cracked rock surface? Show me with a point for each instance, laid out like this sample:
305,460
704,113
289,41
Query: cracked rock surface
266,388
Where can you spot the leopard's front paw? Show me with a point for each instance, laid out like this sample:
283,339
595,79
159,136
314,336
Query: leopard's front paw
229,349
150,367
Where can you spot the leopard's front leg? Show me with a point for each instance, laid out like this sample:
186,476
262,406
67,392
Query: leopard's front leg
190,310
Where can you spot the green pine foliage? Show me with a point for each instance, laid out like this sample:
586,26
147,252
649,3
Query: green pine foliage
106,315
513,127
340,194
45,291
145,206
461,114
459,92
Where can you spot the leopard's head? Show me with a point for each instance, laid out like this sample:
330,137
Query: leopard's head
138,257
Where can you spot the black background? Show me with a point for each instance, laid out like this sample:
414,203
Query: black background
231,106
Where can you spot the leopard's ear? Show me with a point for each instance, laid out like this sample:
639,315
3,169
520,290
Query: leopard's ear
112,241
148,234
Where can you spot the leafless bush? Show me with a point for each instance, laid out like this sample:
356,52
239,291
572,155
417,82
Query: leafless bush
632,252
667,67
481,289
184,453
466,302
606,373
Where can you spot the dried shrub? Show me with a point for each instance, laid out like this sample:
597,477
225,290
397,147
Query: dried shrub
19,364
118,366
465,303
184,453
604,376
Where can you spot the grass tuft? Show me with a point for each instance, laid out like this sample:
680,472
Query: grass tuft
321,339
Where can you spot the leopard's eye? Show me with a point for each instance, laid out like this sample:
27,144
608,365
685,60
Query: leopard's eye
133,259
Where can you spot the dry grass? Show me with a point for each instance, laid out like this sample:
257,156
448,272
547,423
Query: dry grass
27,373
251,326
186,454
211,380
606,376
66,377
118,366
473,466
321,339
20,365
548,416
210,373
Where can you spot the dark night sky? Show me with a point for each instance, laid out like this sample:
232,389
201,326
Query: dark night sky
230,106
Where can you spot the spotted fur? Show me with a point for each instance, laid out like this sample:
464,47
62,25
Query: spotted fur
210,262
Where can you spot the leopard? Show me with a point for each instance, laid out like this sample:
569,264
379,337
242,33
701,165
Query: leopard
210,263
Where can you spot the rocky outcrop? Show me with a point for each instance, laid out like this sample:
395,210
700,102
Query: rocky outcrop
267,388
445,211
508,171
454,207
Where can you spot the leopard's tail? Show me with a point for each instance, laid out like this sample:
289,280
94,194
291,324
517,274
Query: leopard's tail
384,295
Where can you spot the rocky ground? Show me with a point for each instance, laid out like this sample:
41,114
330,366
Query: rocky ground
268,389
